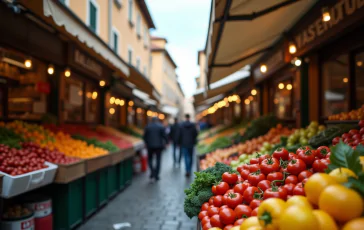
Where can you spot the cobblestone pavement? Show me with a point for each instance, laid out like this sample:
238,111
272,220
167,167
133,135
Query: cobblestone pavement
149,206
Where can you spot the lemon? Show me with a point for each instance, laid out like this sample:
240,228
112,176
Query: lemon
341,175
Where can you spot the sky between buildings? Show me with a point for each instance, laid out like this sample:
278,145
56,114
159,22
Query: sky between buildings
184,23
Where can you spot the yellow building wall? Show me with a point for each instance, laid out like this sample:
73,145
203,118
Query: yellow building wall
202,65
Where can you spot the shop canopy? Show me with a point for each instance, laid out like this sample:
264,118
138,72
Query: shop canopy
242,31
218,89
65,22
138,80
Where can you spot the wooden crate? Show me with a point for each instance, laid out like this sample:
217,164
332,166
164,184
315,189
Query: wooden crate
117,157
97,163
70,172
130,152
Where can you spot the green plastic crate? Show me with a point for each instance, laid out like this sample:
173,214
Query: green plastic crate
112,182
102,186
67,204
91,198
128,170
121,175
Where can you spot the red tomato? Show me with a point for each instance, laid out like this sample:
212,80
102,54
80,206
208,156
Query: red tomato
353,132
322,151
207,226
275,176
281,153
254,168
251,193
254,161
240,188
361,131
228,227
275,192
336,140
242,211
205,220
255,177
255,212
234,199
238,222
218,201
244,174
227,216
291,179
361,123
230,178
222,207
269,165
213,189
216,221
202,214
307,156
296,166
211,200
263,157
255,203
239,169
212,211
302,149
292,156
289,188
304,175
205,206
264,185
320,165
345,136
299,190
221,188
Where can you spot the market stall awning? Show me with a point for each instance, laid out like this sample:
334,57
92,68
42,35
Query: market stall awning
218,89
143,84
69,25
173,111
241,32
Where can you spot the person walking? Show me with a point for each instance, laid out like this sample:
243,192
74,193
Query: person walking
187,141
155,139
173,136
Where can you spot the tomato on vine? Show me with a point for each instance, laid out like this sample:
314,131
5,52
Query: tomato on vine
269,165
320,165
296,166
255,203
275,176
322,152
264,185
281,153
289,187
302,149
307,156
291,179
275,192
234,199
251,193
255,177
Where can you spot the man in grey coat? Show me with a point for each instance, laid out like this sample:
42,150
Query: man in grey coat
155,139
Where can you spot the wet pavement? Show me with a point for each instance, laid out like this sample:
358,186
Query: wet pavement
144,205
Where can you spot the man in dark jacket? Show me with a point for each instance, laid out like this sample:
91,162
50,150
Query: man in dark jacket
187,141
173,136
155,139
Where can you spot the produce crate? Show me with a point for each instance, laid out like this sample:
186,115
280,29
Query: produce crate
97,163
121,175
70,172
117,157
112,180
128,167
102,187
91,194
67,204
16,185
129,152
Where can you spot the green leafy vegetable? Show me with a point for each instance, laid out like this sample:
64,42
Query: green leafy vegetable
343,156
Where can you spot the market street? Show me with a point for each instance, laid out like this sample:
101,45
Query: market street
149,206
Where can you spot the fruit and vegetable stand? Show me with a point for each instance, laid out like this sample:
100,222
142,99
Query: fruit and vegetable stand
79,173
310,178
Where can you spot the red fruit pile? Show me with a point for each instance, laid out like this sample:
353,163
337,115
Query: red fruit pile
353,138
53,156
16,162
281,175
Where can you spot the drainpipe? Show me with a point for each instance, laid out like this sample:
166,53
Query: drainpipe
109,26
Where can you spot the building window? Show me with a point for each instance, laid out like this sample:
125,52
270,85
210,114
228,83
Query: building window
65,2
118,3
93,15
130,55
138,63
130,11
146,37
139,21
145,71
115,40
335,77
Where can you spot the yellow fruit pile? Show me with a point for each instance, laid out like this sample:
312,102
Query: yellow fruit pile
75,148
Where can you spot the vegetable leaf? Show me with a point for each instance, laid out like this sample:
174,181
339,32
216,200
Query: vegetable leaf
343,155
357,184
360,150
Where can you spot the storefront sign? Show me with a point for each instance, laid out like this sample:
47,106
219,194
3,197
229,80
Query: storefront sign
84,63
43,87
338,13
